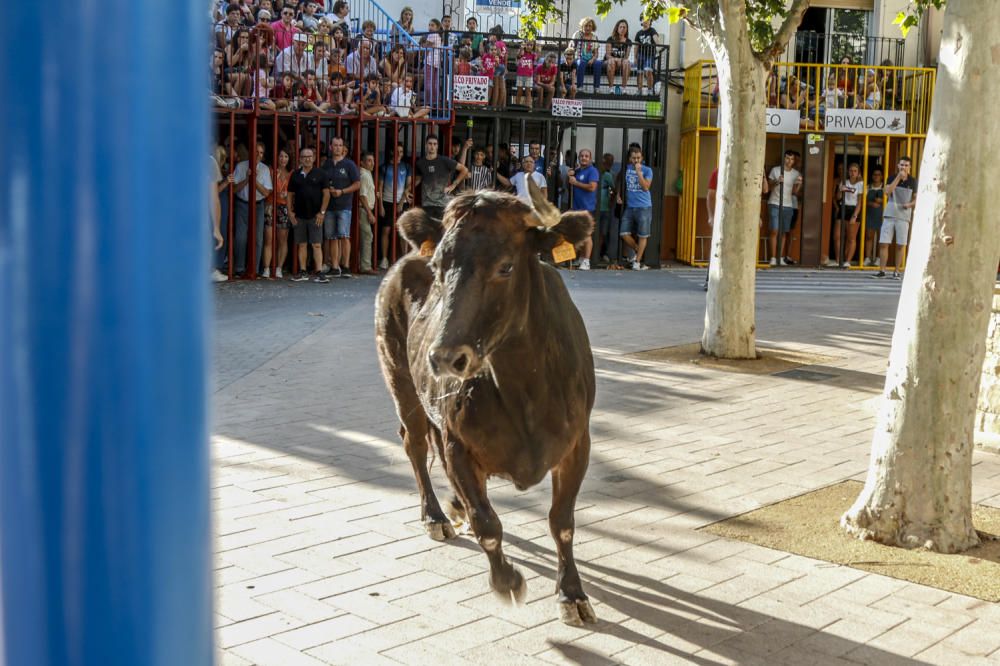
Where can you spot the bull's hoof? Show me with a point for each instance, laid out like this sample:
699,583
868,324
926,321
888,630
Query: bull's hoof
440,530
512,588
577,612
456,512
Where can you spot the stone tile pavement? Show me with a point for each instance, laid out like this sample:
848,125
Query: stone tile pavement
320,557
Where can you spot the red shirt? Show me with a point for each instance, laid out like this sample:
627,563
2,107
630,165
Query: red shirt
463,68
547,74
282,35
713,180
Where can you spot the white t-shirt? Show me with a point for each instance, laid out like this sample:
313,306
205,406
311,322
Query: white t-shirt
242,172
784,191
401,100
520,184
853,192
288,62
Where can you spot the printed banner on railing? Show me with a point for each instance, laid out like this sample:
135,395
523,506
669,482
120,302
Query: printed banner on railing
864,121
783,121
567,108
498,6
471,89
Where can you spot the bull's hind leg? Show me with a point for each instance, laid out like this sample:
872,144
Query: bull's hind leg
435,522
567,476
470,484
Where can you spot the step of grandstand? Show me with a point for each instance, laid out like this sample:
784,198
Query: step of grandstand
789,281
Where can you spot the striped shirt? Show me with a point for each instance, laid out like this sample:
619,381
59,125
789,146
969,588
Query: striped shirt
481,178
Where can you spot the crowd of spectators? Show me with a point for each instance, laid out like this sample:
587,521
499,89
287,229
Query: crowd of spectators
294,55
538,71
849,86
310,206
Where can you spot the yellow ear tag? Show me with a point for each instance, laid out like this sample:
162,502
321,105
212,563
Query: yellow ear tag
427,248
563,252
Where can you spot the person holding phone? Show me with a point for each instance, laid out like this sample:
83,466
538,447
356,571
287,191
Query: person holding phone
901,198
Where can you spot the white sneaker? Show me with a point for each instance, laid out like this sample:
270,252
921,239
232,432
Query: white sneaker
585,264
384,264
325,269
277,273
266,274
219,277
869,262
783,262
773,262
830,263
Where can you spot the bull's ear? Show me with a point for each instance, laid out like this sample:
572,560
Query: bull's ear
574,227
417,227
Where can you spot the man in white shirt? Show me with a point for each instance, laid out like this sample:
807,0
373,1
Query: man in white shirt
520,180
262,189
360,63
785,185
294,59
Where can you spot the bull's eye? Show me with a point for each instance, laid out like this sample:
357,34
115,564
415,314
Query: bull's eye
506,270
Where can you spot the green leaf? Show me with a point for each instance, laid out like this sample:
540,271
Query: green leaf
900,17
675,14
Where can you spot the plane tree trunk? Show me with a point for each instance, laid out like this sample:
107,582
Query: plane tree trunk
730,328
919,486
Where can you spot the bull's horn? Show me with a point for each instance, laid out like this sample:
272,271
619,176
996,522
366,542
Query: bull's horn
547,214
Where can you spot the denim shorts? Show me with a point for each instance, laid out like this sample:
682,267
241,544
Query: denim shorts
786,217
638,221
337,224
645,63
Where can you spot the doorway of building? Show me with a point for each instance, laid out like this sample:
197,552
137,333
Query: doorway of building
828,35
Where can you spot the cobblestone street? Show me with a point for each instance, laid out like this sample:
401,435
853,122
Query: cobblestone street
321,557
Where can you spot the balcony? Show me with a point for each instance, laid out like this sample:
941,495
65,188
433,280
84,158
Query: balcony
832,47
599,97
812,90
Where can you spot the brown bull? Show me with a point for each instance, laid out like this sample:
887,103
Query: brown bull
487,357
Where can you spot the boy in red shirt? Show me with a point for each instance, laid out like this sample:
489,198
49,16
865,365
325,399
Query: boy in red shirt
545,79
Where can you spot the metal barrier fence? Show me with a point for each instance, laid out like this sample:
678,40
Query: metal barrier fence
254,242
832,47
315,74
813,89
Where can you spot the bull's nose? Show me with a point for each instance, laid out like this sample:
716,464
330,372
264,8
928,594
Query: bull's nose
460,361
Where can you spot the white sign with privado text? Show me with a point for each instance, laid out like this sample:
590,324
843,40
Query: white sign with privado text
567,108
864,121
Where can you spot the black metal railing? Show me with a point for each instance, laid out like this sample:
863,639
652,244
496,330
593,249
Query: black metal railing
636,91
833,47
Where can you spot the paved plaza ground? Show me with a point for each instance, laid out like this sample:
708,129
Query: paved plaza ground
321,558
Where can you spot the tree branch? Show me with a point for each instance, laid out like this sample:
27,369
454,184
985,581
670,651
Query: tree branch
787,29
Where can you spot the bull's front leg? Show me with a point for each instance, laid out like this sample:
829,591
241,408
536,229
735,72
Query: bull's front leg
469,483
567,477
435,522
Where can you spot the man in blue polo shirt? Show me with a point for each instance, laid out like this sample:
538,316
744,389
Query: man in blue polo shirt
584,181
345,180
638,216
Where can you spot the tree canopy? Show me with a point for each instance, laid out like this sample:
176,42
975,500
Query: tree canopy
761,15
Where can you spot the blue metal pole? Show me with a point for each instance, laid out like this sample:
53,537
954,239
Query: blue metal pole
104,507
